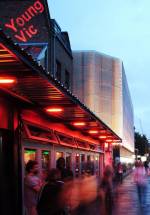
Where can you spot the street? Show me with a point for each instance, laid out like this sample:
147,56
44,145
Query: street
125,200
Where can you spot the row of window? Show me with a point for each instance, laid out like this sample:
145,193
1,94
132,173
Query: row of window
37,133
83,162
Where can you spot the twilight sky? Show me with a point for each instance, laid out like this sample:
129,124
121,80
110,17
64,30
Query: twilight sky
118,28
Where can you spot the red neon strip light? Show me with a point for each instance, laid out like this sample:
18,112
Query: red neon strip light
54,110
7,81
93,132
79,123
5,55
6,61
109,141
102,137
6,49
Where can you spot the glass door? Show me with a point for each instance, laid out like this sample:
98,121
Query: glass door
59,155
83,164
68,161
45,159
29,154
97,165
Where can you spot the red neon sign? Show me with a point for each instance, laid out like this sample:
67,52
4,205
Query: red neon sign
22,26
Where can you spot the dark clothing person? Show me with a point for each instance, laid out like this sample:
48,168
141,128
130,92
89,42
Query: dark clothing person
146,166
106,187
50,202
66,173
120,172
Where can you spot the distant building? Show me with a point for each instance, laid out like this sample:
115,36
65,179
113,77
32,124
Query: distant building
62,64
100,83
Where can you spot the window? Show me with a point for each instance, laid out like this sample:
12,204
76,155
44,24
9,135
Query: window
58,70
83,164
65,139
29,154
67,79
82,144
38,133
92,147
68,160
45,159
59,155
38,52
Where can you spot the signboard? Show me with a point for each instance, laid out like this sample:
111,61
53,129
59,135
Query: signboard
24,21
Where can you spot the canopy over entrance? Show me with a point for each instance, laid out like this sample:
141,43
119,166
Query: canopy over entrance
24,78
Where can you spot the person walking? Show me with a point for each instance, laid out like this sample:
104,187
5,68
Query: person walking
51,201
106,191
120,172
140,178
32,185
66,173
146,167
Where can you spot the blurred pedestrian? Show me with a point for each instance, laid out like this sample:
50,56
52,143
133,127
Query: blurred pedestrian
66,173
84,192
32,185
140,178
120,172
50,200
106,191
44,176
66,177
146,167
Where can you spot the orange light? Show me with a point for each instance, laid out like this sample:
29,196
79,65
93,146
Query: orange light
54,110
102,131
109,140
92,159
102,137
79,123
7,60
106,145
93,132
115,144
7,81
3,48
109,136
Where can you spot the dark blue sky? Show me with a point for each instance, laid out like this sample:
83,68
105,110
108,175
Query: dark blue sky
118,28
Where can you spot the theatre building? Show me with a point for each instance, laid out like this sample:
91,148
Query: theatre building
40,119
100,82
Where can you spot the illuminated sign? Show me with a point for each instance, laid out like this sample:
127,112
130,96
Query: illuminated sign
24,21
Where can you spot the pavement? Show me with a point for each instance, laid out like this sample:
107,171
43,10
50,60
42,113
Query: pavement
126,201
